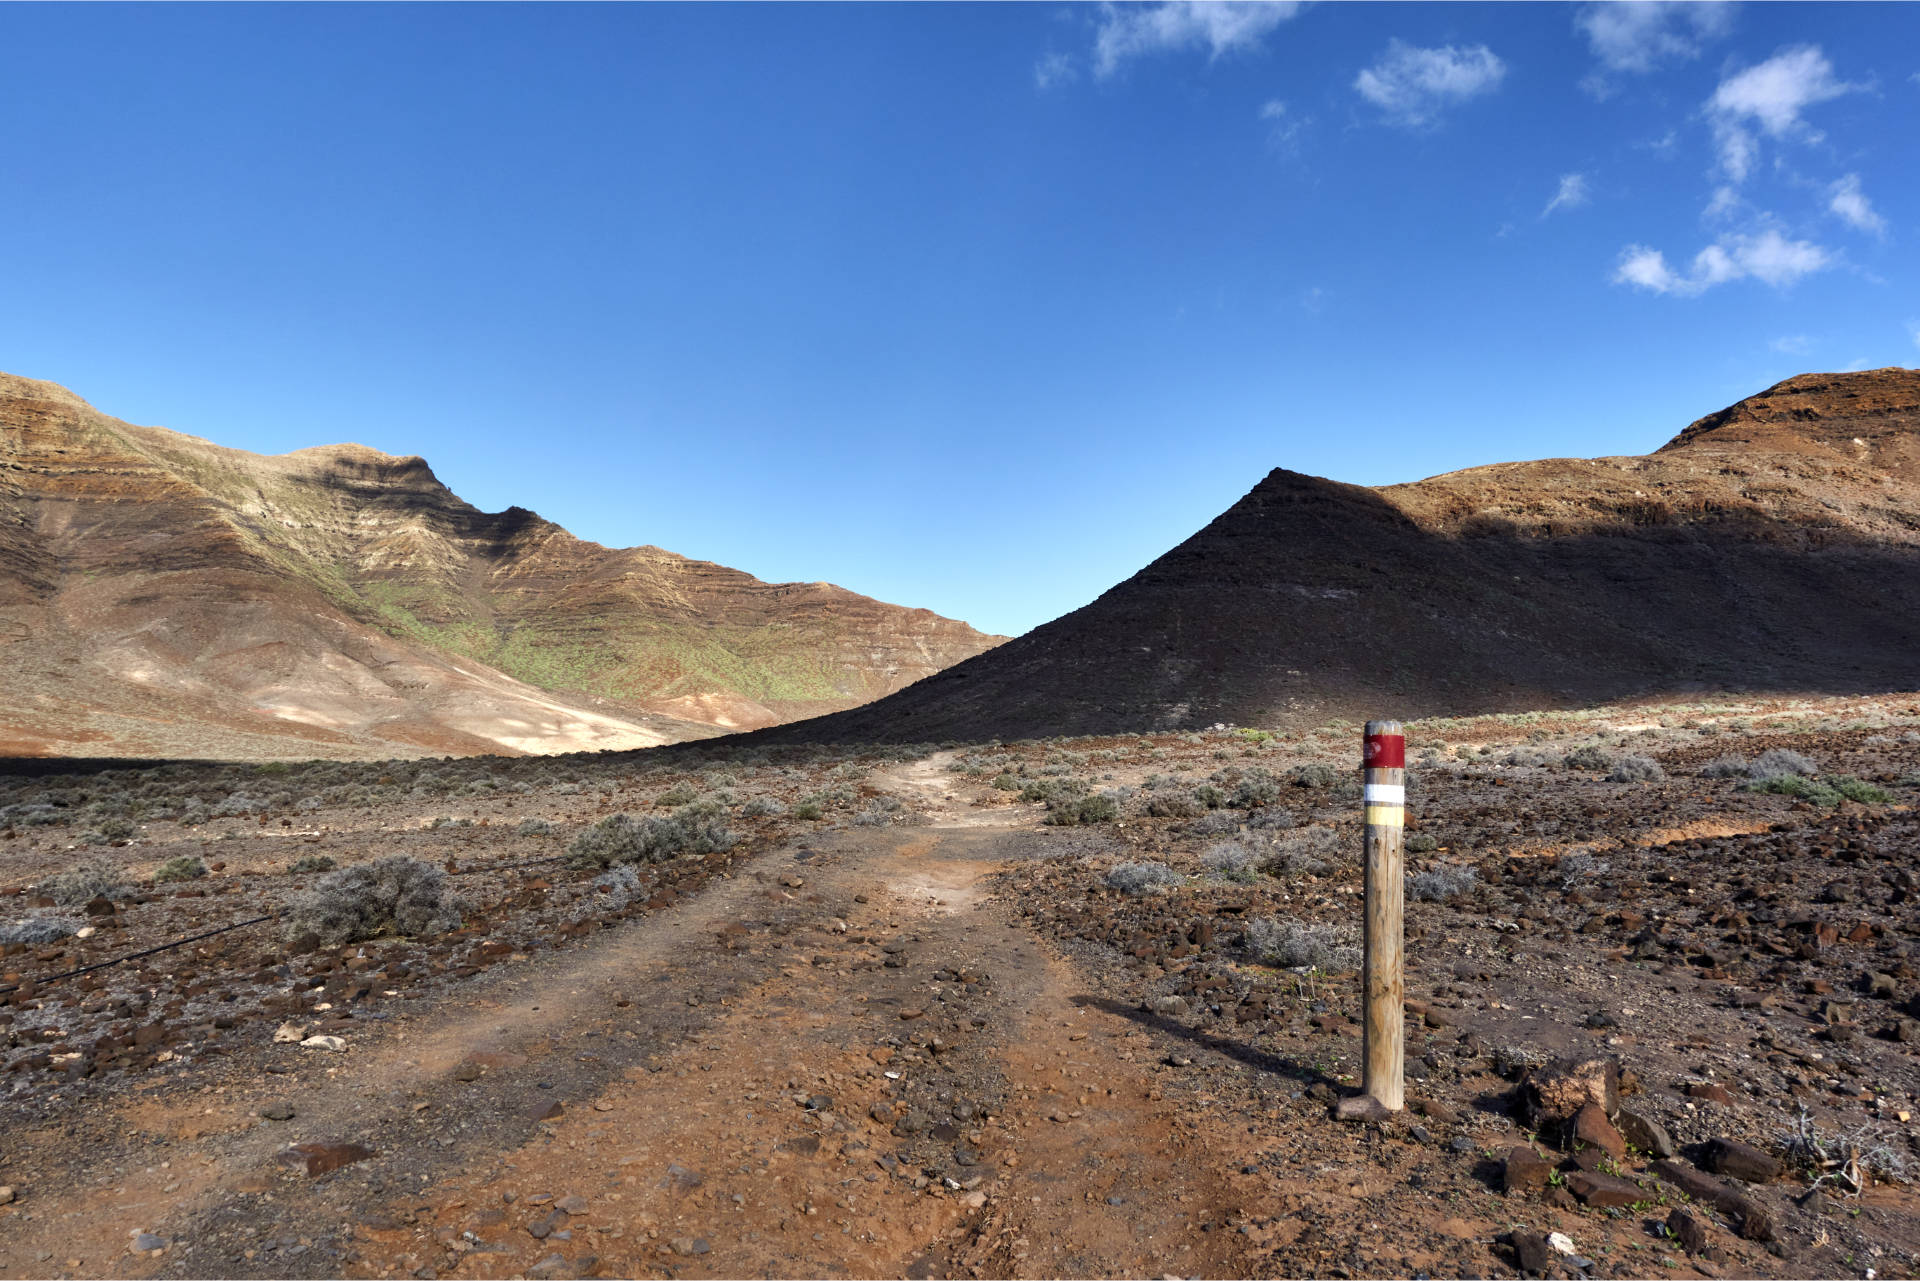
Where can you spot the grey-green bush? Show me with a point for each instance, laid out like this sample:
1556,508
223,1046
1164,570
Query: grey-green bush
1233,861
187,867
621,838
312,863
1781,762
1172,805
1315,851
1315,776
1078,810
1436,885
1728,766
1138,878
88,879
35,930
394,895
534,827
109,830
1256,788
1589,758
1636,769
1296,944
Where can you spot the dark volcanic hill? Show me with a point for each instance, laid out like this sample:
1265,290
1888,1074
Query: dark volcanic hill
161,595
1774,545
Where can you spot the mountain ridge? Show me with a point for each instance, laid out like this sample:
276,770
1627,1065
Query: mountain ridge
644,638
1743,554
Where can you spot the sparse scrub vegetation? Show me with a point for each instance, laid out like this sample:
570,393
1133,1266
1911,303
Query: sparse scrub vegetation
109,830
1172,804
621,838
1636,769
1782,762
38,929
1138,878
1588,757
1255,789
1438,884
394,895
1233,861
1292,944
1050,790
310,864
1310,851
1316,776
90,878
534,827
1075,811
187,867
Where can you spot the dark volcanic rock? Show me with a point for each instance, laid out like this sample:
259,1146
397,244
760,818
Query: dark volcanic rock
1741,1161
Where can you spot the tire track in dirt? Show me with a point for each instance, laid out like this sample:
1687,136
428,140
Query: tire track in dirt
1009,1129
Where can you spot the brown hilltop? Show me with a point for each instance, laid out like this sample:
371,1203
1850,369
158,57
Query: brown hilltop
1774,545
163,595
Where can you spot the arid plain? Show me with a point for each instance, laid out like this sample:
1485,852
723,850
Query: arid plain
927,986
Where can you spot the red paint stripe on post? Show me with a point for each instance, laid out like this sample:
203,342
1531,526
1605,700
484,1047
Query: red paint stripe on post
1385,751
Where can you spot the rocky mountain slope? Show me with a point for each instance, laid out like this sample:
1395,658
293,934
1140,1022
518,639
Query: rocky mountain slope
162,595
1774,545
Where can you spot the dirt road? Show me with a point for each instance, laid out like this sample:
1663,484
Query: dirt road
849,1060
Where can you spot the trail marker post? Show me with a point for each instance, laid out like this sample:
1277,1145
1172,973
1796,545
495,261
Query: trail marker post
1385,760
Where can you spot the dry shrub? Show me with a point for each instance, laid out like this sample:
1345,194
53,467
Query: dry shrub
394,895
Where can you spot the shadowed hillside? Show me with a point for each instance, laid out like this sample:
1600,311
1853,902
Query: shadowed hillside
1774,545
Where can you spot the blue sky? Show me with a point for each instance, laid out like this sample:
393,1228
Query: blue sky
973,308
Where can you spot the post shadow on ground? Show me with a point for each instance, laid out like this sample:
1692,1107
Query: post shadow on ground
1265,1060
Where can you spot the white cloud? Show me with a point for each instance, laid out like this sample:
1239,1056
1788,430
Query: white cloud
1726,202
1054,69
1283,127
1768,257
1133,31
1847,200
1637,37
1412,85
1792,345
1571,195
1771,95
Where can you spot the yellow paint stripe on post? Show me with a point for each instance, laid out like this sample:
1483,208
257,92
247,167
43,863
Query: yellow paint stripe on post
1386,816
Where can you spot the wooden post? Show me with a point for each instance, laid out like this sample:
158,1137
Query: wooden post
1385,759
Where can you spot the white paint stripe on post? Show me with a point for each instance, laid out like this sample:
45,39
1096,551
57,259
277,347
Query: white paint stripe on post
1386,794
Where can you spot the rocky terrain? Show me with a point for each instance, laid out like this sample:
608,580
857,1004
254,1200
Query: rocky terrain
1032,1008
1773,546
163,596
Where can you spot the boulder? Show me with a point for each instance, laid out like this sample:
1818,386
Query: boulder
1645,1133
1741,1161
1554,1094
1526,1172
1591,1128
1603,1190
